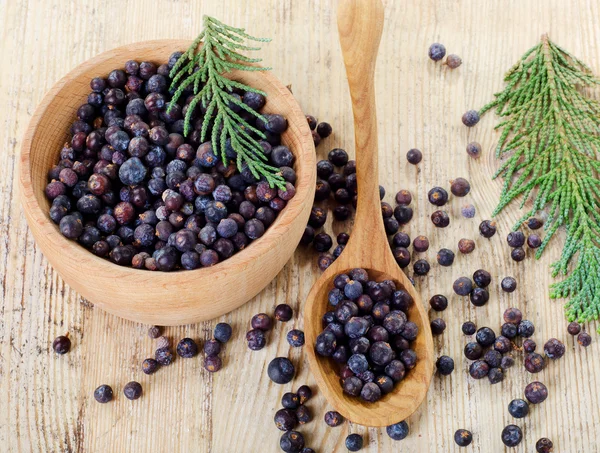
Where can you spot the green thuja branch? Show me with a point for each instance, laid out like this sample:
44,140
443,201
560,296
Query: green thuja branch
202,70
550,142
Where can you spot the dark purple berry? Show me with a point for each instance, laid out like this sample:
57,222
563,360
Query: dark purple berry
460,187
285,419
295,338
534,223
470,118
414,156
544,445
440,219
515,239
479,369
462,286
487,228
518,254
437,196
283,312
554,349
354,442
513,316
526,328
256,339
482,278
445,257
536,392
573,328
149,366
473,351
508,284
512,436
584,339
469,328
445,365
132,390
518,408
438,302
333,418
103,394
474,150
292,442
485,336
421,244
437,51
463,437
61,344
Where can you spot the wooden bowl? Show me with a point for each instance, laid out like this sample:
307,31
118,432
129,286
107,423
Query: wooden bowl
162,298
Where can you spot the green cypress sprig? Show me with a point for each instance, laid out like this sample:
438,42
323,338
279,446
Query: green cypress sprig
203,68
550,139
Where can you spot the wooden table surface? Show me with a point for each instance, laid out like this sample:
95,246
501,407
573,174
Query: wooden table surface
46,401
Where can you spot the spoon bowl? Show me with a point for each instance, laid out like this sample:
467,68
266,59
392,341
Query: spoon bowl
360,24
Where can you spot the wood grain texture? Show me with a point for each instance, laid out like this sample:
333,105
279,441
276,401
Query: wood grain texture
360,24
47,402
163,298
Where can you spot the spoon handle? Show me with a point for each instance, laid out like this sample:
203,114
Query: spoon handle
360,24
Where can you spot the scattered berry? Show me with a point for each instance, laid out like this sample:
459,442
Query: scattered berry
573,328
281,370
468,211
518,408
223,332
482,278
187,348
584,339
437,51
61,344
295,338
453,61
149,366
470,118
445,365
487,228
445,257
460,187
544,445
132,390
463,437
536,392
291,442
283,313
474,150
354,442
256,339
554,349
469,328
414,156
466,246
103,394
333,418
512,435
508,284
397,431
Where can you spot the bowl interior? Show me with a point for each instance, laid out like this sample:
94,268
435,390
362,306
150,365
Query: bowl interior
49,130
407,394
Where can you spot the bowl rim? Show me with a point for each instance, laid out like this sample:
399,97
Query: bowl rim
305,160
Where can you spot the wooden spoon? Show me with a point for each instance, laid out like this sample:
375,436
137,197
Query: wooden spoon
360,24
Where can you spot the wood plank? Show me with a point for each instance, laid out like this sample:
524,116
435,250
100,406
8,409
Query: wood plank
47,400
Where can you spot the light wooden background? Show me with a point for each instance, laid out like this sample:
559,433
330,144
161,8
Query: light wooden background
46,401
